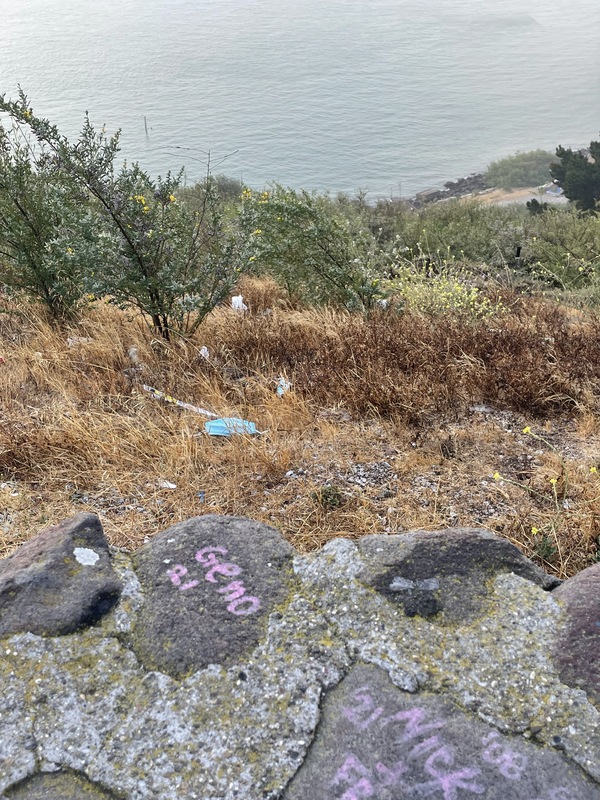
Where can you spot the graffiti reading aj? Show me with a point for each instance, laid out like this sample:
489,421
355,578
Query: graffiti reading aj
234,593
423,748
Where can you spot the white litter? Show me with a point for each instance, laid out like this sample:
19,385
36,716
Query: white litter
179,403
73,341
283,386
86,556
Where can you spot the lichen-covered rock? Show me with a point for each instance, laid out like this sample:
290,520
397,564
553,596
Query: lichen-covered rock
474,706
58,786
578,646
209,586
443,571
376,741
59,581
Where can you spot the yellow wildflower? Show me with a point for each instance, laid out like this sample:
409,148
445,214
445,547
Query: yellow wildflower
553,481
497,476
534,531
526,429
172,198
593,470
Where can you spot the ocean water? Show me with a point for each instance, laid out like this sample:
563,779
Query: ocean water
389,96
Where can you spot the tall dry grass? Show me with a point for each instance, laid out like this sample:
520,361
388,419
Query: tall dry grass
390,397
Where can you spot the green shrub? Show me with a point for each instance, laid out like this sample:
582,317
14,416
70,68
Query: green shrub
329,497
456,231
172,262
48,239
563,249
303,240
579,176
437,295
520,170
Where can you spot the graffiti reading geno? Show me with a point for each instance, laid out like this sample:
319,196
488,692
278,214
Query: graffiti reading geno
234,593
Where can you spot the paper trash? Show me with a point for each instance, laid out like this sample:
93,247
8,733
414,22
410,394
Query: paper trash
162,484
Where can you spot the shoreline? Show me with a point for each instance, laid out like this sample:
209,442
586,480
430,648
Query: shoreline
474,186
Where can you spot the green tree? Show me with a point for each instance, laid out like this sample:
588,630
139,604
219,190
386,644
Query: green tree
172,262
578,174
48,239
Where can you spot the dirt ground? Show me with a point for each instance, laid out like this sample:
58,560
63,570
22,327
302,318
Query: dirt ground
503,197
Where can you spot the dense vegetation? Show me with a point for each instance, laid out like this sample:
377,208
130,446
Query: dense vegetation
75,227
520,170
435,369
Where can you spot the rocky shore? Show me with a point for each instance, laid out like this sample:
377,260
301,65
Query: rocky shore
462,187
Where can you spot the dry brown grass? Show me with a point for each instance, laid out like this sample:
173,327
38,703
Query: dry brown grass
408,418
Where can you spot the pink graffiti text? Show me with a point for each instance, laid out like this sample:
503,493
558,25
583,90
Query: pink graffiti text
422,744
234,593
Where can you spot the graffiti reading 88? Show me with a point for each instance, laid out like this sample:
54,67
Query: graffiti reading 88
234,593
424,748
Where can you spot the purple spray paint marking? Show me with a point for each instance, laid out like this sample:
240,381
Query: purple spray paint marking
450,782
422,733
364,782
355,774
207,554
238,602
176,574
510,764
364,713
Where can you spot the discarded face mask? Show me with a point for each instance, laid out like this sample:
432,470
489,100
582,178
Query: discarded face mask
230,426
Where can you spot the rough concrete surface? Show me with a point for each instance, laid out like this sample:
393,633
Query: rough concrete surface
377,741
336,691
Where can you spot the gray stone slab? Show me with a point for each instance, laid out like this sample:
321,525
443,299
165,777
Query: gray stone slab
209,585
57,786
59,581
578,645
443,571
375,741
